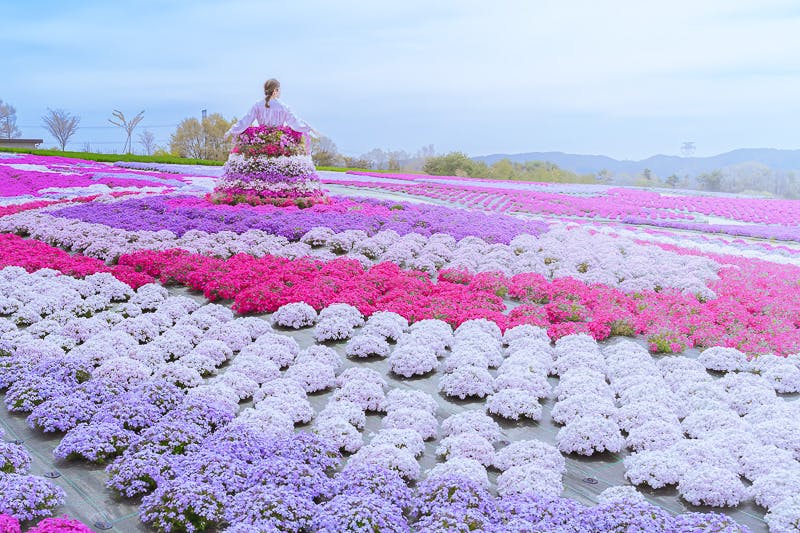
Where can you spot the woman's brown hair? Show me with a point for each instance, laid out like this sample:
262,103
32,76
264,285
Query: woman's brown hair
269,89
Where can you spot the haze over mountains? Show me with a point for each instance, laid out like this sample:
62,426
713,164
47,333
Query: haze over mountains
661,165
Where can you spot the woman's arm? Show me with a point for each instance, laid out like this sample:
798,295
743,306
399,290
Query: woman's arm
296,123
243,123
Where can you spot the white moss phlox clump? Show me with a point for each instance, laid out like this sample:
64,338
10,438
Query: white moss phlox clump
712,485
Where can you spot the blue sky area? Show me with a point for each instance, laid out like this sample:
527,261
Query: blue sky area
623,78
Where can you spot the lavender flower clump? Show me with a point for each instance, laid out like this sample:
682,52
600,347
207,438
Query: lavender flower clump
13,459
373,480
155,214
264,505
27,497
453,490
359,512
139,473
183,506
95,442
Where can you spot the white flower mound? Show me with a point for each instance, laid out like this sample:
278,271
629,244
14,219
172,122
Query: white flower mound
461,466
713,486
404,439
531,478
623,493
467,381
340,432
723,359
589,435
413,360
653,435
785,516
295,315
367,346
658,468
419,420
472,422
513,404
770,489
467,446
530,452
590,405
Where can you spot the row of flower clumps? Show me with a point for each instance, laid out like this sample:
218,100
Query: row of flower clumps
581,254
181,443
740,315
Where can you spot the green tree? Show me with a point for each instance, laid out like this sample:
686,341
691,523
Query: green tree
455,164
324,151
672,180
357,162
605,176
711,181
201,139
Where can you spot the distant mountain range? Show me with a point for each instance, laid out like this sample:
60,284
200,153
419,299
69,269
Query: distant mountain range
661,165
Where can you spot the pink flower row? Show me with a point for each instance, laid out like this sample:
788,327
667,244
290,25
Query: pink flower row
614,203
67,173
9,524
33,255
755,309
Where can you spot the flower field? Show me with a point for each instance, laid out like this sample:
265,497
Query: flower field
418,353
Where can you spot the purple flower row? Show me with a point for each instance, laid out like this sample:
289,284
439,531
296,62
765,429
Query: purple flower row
181,215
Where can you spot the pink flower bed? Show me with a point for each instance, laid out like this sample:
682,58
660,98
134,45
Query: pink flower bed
754,311
34,255
763,217
67,173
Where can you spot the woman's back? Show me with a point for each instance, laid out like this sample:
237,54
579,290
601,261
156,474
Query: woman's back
277,114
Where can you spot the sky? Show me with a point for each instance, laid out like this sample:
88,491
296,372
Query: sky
623,78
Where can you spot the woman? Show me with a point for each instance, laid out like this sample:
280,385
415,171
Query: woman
270,163
271,112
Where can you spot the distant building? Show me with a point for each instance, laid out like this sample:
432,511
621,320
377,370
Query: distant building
20,143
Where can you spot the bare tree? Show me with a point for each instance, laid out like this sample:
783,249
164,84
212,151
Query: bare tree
8,121
61,125
128,126
148,141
